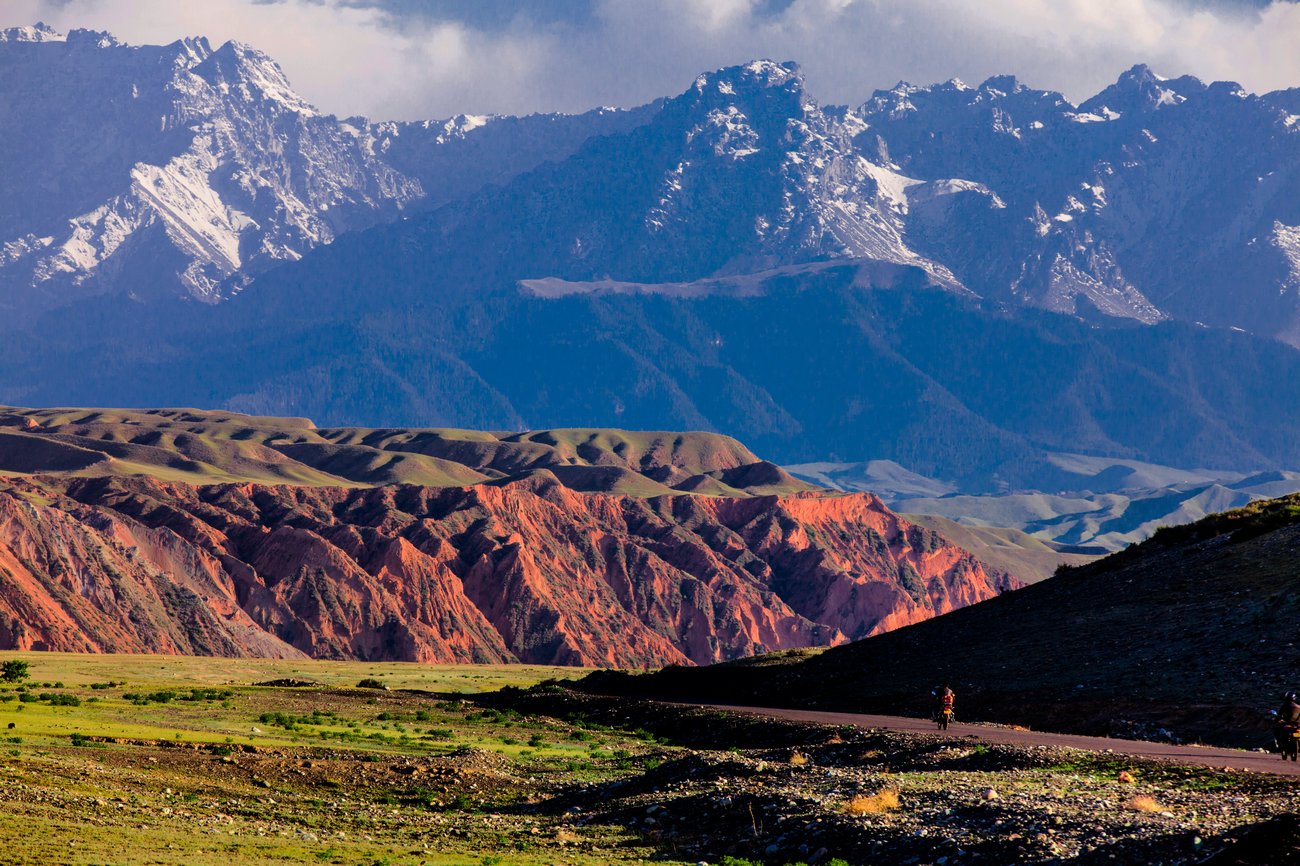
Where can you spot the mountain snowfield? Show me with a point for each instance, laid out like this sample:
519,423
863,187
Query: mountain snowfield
149,171
1157,198
754,133
210,165
154,171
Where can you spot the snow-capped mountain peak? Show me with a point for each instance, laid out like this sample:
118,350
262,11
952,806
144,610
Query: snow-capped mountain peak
92,39
244,72
1142,202
180,169
1001,85
38,32
751,173
751,76
199,182
1140,90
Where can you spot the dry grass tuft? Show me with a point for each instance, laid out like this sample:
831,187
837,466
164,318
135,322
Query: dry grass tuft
798,759
1143,803
876,804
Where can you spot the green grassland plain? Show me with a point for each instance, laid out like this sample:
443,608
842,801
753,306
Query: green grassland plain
160,759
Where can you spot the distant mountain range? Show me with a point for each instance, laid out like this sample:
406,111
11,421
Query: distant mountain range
962,280
1076,504
184,170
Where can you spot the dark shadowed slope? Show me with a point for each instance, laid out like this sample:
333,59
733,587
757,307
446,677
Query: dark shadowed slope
814,367
1193,630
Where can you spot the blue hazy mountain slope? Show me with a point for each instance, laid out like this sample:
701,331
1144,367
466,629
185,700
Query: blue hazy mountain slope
947,277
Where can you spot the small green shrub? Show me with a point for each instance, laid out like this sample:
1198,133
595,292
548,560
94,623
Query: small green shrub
63,700
160,697
206,695
14,671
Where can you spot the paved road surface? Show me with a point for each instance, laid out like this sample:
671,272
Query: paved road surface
1259,762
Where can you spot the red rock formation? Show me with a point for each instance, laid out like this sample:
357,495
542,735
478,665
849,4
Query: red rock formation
850,562
91,582
527,570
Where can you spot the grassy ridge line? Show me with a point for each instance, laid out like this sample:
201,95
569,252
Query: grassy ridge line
206,447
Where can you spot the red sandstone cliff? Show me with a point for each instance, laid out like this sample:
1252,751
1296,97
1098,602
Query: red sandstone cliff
526,570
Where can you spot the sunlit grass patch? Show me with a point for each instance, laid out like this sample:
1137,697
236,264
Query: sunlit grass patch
1144,803
873,804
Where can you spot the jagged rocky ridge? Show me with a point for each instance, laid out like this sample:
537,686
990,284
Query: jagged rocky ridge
184,170
525,570
1155,199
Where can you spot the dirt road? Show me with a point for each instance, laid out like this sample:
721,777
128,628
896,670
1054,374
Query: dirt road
1256,762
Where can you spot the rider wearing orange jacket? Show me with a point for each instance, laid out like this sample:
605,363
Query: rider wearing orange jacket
943,700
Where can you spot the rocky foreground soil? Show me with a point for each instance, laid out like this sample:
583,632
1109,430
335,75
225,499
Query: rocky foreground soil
335,774
787,792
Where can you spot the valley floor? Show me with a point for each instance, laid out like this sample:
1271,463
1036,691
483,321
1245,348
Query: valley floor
145,759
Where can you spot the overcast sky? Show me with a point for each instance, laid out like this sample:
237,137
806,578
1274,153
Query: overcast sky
407,59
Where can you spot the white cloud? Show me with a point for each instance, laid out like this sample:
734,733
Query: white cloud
351,59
